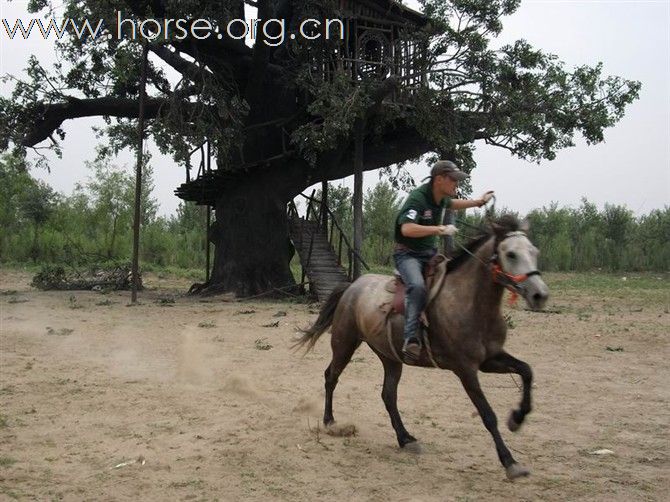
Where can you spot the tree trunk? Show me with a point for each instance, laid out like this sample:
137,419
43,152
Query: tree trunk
252,251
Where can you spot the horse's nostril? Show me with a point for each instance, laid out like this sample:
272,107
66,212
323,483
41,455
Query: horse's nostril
538,297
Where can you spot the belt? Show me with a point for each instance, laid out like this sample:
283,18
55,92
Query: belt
403,247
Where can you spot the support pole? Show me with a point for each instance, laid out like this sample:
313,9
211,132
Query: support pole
209,223
324,206
209,215
138,176
359,134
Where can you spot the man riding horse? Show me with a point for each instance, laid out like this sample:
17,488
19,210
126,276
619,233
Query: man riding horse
466,327
417,226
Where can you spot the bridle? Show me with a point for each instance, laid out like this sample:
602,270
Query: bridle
513,283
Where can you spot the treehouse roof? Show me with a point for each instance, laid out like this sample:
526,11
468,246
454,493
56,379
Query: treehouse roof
384,10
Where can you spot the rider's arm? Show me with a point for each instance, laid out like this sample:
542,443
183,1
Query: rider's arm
466,203
414,230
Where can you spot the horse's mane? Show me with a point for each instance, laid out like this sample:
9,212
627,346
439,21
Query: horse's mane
506,223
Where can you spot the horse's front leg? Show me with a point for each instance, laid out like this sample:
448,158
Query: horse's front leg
470,382
505,363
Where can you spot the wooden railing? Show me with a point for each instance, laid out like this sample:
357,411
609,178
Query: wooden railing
323,220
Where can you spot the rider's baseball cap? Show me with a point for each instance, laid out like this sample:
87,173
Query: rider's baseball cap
442,167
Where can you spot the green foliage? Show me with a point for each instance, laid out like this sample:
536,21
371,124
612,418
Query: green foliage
93,225
24,202
15,181
518,97
335,106
380,207
612,240
569,239
340,204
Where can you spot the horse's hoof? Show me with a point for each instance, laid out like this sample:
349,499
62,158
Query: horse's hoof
512,424
516,471
413,447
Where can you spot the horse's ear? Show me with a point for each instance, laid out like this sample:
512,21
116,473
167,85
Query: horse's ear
525,225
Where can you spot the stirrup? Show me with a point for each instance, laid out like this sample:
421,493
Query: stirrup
412,348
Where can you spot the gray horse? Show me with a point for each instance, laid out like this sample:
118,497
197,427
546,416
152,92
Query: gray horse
466,330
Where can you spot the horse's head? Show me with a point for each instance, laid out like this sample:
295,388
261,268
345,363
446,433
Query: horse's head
515,262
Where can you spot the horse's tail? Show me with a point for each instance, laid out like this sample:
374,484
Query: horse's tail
323,322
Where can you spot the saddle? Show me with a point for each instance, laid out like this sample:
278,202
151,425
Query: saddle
433,275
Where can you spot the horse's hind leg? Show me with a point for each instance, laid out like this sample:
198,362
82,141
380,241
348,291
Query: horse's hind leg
470,382
343,346
505,363
392,374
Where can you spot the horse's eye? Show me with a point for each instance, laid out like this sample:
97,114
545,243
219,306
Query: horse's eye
511,255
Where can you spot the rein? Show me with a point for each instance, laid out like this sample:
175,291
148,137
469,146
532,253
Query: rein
499,276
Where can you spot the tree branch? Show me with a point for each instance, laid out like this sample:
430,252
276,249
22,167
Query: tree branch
186,68
50,116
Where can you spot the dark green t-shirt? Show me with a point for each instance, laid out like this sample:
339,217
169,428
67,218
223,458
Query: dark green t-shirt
420,208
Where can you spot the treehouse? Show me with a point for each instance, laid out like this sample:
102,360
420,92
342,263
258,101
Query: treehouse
379,41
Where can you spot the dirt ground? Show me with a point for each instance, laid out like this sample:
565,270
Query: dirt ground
187,399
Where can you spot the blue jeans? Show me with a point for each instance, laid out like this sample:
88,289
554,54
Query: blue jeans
411,265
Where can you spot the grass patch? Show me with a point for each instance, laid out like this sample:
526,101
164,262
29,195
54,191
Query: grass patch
191,483
59,332
598,281
167,272
7,461
642,288
11,494
74,304
509,321
14,299
262,344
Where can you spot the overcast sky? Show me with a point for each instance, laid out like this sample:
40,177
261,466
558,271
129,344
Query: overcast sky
632,166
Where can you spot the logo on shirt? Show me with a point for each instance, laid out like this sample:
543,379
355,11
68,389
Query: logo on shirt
411,214
428,214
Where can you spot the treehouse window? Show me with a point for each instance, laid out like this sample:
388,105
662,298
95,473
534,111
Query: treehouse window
375,51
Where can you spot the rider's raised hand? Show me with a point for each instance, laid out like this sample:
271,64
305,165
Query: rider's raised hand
487,196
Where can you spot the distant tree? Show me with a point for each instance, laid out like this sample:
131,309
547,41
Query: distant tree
37,202
148,204
340,203
188,216
619,224
380,207
112,193
187,229
515,97
653,239
14,180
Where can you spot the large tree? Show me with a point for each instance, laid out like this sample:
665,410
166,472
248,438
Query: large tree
276,128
